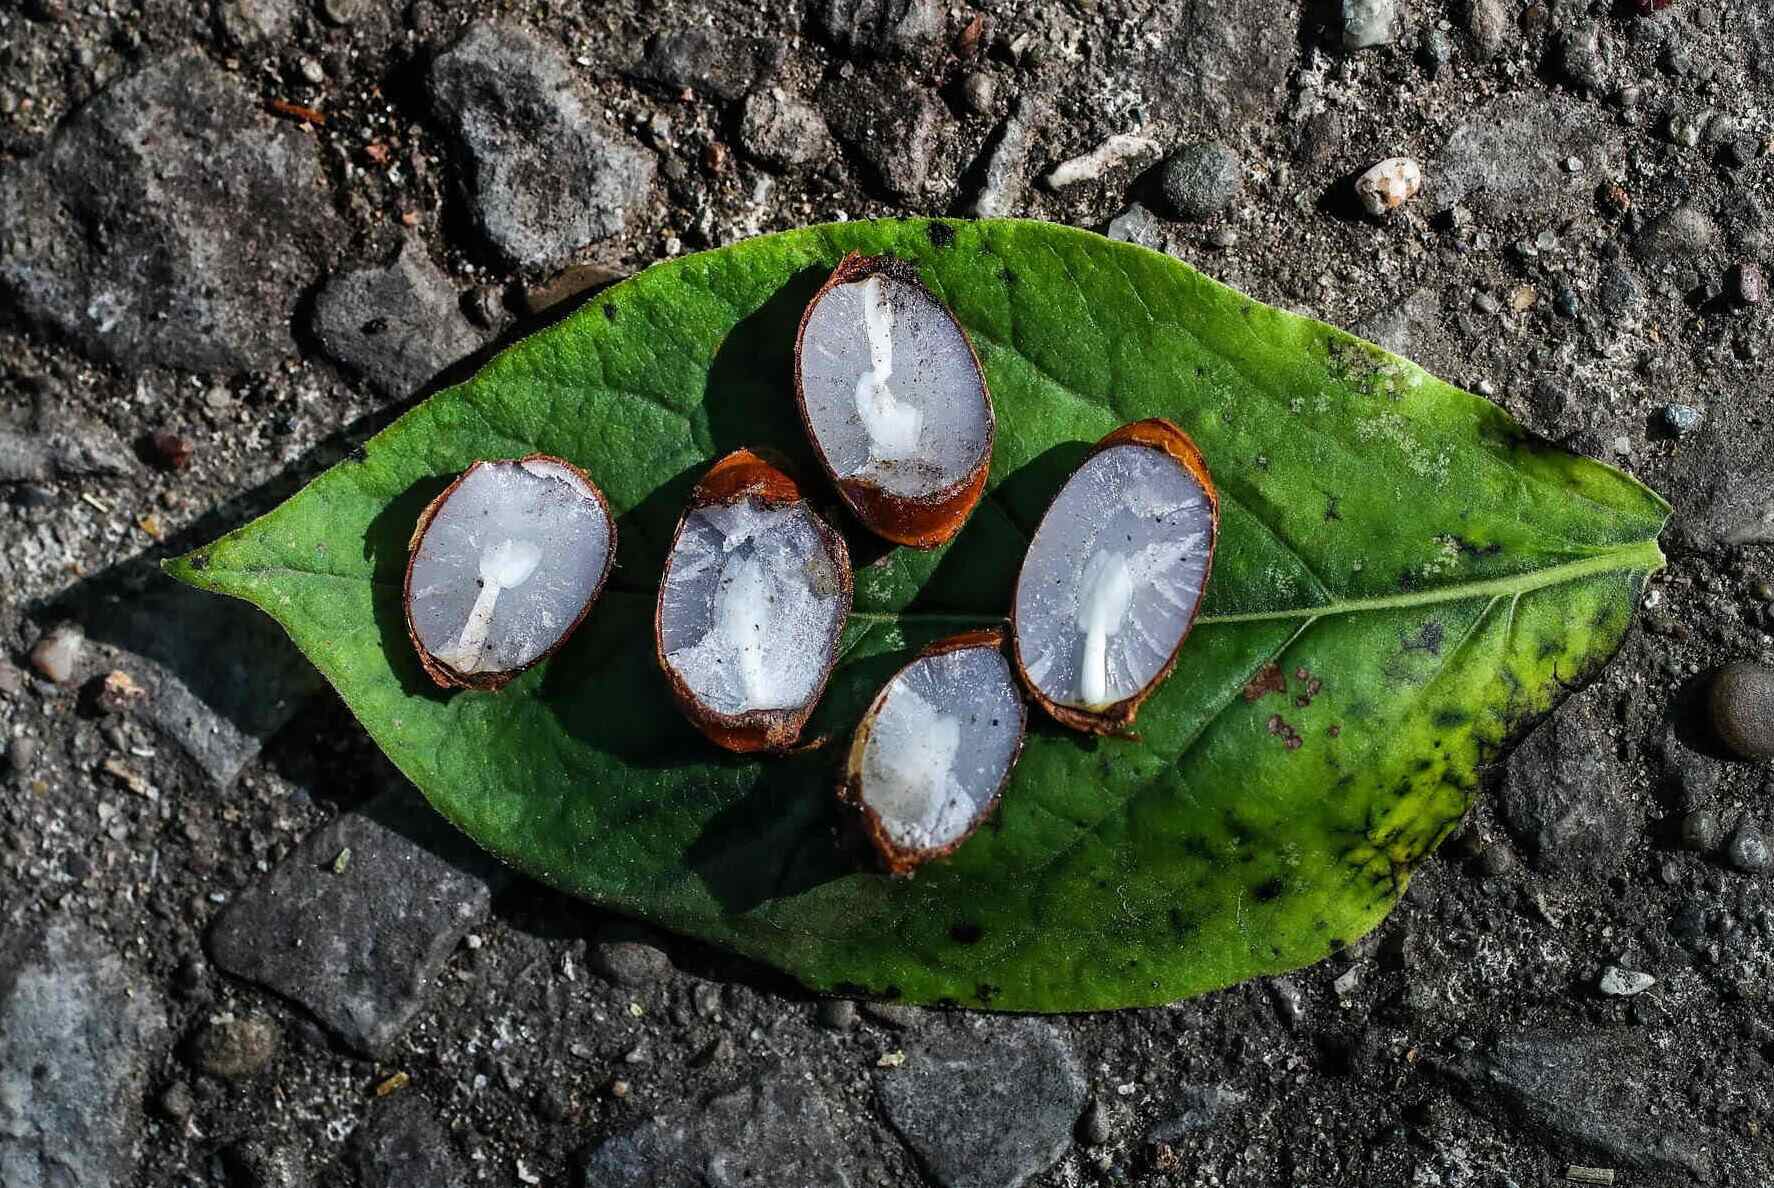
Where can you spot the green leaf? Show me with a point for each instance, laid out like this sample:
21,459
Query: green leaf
1404,581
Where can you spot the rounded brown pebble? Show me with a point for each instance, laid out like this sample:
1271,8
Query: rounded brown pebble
236,1048
1742,706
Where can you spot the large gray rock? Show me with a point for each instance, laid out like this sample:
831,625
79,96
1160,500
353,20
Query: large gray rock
77,1033
987,1103
1510,155
544,174
704,60
889,118
1595,1092
782,132
359,940
777,1131
880,27
130,236
396,326
1565,794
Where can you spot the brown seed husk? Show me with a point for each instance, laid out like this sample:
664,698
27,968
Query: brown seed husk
1158,434
920,523
491,682
897,859
746,474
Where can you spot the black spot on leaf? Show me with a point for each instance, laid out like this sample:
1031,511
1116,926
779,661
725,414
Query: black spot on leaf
966,933
941,234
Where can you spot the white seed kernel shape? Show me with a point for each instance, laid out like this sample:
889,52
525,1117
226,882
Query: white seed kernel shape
1389,185
748,617
943,740
1112,577
892,391
506,564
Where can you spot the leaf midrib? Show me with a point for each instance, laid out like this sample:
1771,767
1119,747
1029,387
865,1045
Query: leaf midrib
1643,555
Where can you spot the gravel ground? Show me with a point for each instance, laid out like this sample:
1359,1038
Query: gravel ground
235,237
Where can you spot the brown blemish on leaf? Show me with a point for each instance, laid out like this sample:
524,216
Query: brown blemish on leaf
1290,738
1267,680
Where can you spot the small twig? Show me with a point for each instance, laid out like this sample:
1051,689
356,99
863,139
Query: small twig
1589,1175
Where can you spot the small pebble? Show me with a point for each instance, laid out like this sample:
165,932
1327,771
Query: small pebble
1624,983
1682,419
1369,23
1749,284
1388,185
1742,704
1762,589
22,755
177,1103
57,654
1748,849
630,962
341,12
1485,303
1094,1128
1434,51
980,90
1700,831
169,451
1223,237
12,681
313,71
1494,860
1565,302
236,1048
1290,1004
1742,151
1201,180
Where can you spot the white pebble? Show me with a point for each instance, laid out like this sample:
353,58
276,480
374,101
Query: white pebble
1624,983
1389,185
58,654
1124,146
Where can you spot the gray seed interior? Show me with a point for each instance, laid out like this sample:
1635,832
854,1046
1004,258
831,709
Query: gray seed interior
750,606
506,565
941,744
892,392
1112,577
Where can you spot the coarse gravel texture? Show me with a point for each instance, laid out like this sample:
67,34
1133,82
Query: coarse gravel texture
231,234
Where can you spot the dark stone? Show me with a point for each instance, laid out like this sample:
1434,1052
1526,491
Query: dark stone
1201,180
1563,793
397,326
782,132
987,1103
1748,849
236,1048
630,962
361,947
1593,1090
879,28
1434,51
703,60
1494,860
890,120
1741,700
262,1162
77,1034
1618,291
543,174
126,234
1095,1129
402,1144
777,1131
1580,55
